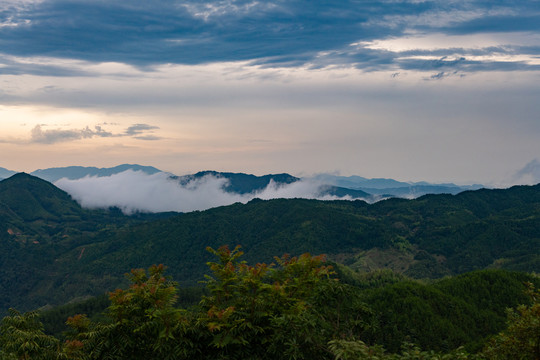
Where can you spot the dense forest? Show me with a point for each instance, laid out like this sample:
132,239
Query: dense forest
53,251
294,308
430,278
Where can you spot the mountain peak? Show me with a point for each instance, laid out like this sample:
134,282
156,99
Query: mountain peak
22,178
242,183
31,197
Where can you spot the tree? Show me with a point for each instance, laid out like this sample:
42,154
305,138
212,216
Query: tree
250,307
143,321
287,309
521,340
22,337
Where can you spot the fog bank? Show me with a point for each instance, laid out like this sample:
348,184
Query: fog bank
136,191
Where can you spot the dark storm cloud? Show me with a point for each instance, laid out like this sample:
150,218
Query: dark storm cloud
271,33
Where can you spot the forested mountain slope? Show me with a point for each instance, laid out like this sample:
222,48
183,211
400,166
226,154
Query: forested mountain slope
432,236
38,224
429,237
297,309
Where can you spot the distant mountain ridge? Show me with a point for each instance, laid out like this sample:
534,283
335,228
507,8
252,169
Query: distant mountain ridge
391,187
78,172
355,187
356,182
241,183
5,173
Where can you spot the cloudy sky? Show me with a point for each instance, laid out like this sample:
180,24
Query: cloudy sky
435,90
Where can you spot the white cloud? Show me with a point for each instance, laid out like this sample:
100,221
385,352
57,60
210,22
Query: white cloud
306,189
135,191
438,41
529,174
439,18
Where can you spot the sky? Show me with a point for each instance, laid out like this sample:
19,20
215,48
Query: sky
435,90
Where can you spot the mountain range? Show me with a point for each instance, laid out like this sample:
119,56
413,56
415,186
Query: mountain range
391,187
52,250
78,172
5,173
354,187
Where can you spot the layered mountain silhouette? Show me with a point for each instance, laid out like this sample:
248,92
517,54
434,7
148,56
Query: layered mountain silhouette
240,183
355,187
78,172
5,173
391,187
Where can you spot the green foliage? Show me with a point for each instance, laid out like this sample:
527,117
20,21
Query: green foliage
142,320
521,340
458,311
349,350
293,308
271,311
409,311
288,309
54,319
371,279
22,337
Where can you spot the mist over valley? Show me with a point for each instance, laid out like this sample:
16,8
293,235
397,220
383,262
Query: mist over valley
136,188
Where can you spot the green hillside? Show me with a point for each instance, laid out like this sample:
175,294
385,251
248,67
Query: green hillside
298,308
429,237
57,251
39,223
